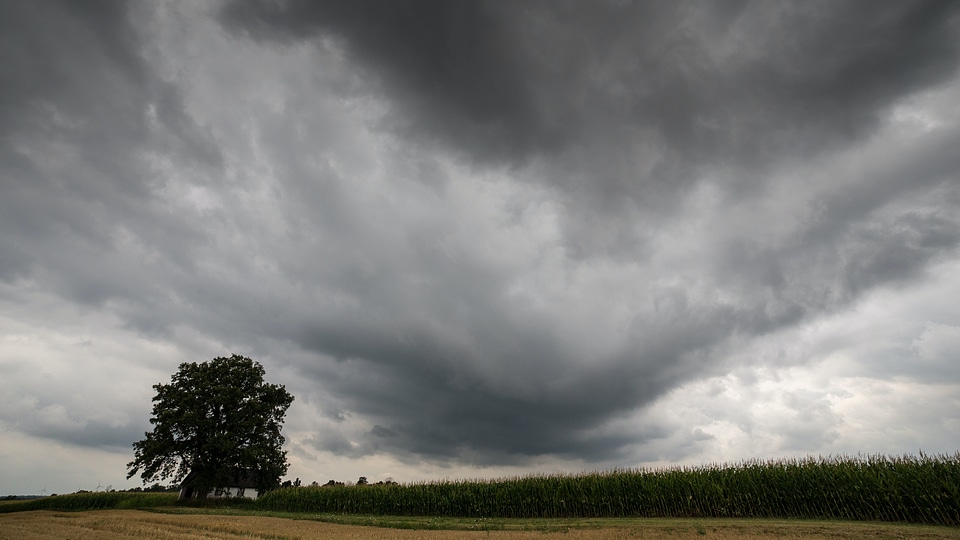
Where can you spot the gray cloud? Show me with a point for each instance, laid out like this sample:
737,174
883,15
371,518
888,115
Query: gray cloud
580,94
82,116
736,83
478,233
92,434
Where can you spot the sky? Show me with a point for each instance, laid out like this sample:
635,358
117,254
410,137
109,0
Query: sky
482,239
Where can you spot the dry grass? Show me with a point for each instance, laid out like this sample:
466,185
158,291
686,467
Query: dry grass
135,524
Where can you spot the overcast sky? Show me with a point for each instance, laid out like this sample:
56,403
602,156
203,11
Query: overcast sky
477,239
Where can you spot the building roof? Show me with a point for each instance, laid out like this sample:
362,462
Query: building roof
244,478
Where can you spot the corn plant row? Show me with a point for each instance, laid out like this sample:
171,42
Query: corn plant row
920,489
93,501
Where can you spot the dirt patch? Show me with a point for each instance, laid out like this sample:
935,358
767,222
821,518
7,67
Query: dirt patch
134,524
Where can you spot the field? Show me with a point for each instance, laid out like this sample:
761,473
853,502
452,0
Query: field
924,489
837,497
130,524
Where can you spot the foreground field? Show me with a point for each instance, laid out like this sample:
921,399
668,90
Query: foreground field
137,524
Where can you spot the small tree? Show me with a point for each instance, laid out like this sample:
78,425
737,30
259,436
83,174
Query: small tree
214,421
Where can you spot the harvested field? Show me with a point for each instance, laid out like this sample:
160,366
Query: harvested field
136,524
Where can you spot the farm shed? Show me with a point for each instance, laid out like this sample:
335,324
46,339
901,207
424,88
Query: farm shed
243,483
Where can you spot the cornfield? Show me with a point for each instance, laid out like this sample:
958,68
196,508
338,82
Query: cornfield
93,501
919,489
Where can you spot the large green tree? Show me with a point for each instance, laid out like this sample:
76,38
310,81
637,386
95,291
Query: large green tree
215,421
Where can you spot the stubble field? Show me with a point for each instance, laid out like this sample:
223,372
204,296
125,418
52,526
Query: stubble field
138,524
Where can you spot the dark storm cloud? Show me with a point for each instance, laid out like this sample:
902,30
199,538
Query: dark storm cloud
76,109
499,388
629,211
729,81
629,105
624,107
487,427
453,65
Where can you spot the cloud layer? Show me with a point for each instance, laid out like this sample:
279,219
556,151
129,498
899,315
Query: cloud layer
486,236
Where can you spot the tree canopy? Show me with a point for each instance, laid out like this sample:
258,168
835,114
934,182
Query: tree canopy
215,421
